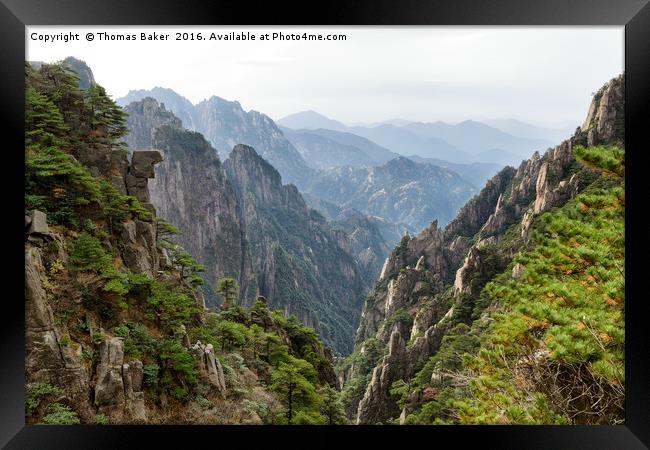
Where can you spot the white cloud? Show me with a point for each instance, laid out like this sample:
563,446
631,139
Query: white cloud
543,75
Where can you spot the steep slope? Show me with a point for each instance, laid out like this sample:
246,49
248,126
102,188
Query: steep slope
444,297
301,264
366,242
225,124
116,330
400,191
192,192
240,222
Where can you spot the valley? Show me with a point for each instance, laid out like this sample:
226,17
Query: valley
200,263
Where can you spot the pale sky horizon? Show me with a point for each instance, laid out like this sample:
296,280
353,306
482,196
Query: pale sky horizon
540,75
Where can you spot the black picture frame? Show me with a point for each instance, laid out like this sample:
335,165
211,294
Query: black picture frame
16,14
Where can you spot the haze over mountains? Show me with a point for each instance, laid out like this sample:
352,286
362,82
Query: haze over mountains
501,141
400,172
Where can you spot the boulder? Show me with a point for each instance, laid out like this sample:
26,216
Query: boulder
142,163
518,271
38,223
210,365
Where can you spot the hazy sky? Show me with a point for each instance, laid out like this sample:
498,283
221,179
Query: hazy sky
543,75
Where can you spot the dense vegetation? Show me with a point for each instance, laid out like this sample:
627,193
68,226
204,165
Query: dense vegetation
276,370
545,346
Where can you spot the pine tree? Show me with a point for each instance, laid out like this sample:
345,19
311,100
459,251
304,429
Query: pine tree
229,290
293,388
332,406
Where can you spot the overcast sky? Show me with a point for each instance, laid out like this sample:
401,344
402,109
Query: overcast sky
542,75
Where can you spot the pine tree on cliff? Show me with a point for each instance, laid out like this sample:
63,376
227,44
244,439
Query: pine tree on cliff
229,290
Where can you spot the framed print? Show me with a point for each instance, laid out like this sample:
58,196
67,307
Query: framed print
369,220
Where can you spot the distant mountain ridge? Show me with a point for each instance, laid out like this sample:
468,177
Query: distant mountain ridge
400,190
465,142
225,123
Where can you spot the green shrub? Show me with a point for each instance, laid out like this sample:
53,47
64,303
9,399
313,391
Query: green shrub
150,377
58,414
36,392
101,419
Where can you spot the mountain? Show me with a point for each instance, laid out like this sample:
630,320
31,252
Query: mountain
310,120
525,130
465,142
498,156
182,108
366,241
300,263
475,174
378,154
322,153
513,312
405,142
116,329
400,191
225,124
241,222
474,137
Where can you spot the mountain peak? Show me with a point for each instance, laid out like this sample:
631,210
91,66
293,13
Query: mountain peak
81,70
310,120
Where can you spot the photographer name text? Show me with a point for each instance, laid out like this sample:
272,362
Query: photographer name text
103,36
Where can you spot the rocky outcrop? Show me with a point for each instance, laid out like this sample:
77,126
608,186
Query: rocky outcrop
376,404
48,358
36,223
118,386
210,365
144,117
139,234
476,212
605,119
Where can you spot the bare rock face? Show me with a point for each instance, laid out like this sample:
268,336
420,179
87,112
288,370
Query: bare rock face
139,235
473,215
37,223
144,117
375,406
47,358
210,365
605,118
191,191
142,163
140,170
518,271
118,386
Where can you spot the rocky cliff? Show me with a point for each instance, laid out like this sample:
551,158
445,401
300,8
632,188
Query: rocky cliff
431,283
301,265
116,327
240,221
